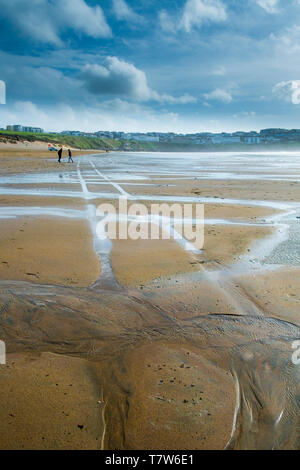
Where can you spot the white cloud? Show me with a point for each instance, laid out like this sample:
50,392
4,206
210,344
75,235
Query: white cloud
120,78
195,13
220,71
184,99
167,23
116,114
83,18
44,20
124,12
288,91
288,40
117,77
271,6
245,114
110,115
219,95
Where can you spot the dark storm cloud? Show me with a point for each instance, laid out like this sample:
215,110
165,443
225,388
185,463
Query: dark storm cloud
45,20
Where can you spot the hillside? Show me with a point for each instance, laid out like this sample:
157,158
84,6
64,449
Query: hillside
80,142
95,143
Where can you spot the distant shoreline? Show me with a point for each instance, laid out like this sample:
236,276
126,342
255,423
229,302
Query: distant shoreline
19,140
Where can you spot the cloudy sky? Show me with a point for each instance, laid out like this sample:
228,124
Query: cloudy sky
151,65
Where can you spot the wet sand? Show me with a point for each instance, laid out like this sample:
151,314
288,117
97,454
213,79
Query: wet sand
48,251
20,158
285,283
250,189
173,400
51,402
142,261
225,244
165,348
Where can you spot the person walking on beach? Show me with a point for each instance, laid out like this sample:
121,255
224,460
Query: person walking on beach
70,156
59,155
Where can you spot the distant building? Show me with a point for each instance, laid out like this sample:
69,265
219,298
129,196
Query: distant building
75,133
265,136
36,130
280,135
15,128
225,139
168,137
104,134
18,128
251,139
147,138
142,137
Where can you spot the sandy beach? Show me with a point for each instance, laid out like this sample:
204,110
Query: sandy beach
33,157
145,344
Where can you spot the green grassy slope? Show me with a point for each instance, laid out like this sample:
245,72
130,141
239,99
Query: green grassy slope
93,143
79,142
